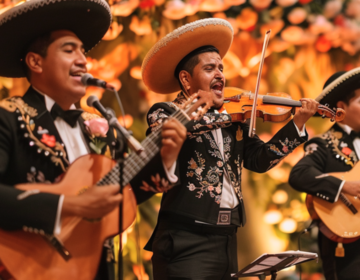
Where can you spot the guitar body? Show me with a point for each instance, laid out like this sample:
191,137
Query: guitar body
29,256
338,222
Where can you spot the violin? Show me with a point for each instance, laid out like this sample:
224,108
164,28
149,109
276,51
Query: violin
272,107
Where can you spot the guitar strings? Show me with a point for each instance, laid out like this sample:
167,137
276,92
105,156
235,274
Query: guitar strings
134,163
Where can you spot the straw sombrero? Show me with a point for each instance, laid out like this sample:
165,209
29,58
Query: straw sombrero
338,85
160,62
19,26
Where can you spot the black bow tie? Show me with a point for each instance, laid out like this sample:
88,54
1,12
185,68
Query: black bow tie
70,116
354,134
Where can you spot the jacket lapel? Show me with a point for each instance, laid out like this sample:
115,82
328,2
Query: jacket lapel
43,127
345,149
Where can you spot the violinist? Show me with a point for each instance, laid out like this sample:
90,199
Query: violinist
195,237
337,150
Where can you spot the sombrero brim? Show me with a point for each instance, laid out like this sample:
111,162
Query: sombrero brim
341,86
19,26
160,62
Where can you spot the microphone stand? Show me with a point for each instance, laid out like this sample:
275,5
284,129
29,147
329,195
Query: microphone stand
130,142
113,122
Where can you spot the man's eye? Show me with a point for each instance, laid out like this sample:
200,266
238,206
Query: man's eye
68,51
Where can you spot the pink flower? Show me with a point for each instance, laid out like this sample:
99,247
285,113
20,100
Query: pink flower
191,187
218,189
210,188
97,127
220,163
285,149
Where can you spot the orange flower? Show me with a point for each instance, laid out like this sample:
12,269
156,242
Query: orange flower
48,140
346,150
322,44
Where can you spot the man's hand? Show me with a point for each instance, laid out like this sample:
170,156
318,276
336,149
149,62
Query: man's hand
95,203
173,136
308,109
352,188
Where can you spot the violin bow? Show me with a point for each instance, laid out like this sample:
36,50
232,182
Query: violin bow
252,128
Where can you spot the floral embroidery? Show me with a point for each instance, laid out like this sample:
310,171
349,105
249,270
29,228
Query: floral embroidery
160,185
346,150
332,138
156,118
13,103
215,150
275,150
210,184
49,140
227,142
36,176
199,139
288,146
311,148
57,154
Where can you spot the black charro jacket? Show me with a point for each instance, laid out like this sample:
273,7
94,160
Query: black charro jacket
201,165
333,151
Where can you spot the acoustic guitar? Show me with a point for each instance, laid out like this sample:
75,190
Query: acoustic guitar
339,221
75,253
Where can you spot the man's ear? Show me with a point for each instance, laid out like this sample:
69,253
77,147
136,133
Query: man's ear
34,62
185,79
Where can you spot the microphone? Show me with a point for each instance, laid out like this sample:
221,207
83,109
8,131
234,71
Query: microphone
88,80
133,144
93,101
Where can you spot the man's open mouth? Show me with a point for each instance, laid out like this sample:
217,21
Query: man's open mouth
217,88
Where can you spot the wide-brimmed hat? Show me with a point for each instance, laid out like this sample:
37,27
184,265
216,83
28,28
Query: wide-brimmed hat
160,62
338,85
19,26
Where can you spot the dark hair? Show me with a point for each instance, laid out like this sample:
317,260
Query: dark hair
39,46
346,97
191,60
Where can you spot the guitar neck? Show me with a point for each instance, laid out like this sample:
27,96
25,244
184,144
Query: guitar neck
136,162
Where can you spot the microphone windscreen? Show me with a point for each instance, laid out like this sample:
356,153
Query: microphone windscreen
91,99
85,78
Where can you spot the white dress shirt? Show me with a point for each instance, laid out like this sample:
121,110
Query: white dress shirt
229,198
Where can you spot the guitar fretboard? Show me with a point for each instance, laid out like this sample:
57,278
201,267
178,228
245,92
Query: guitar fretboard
135,162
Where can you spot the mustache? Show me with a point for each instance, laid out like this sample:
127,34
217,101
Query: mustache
216,81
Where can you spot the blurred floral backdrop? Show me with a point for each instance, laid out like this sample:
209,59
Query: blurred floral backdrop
310,40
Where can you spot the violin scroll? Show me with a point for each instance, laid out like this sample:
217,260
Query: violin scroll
337,114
